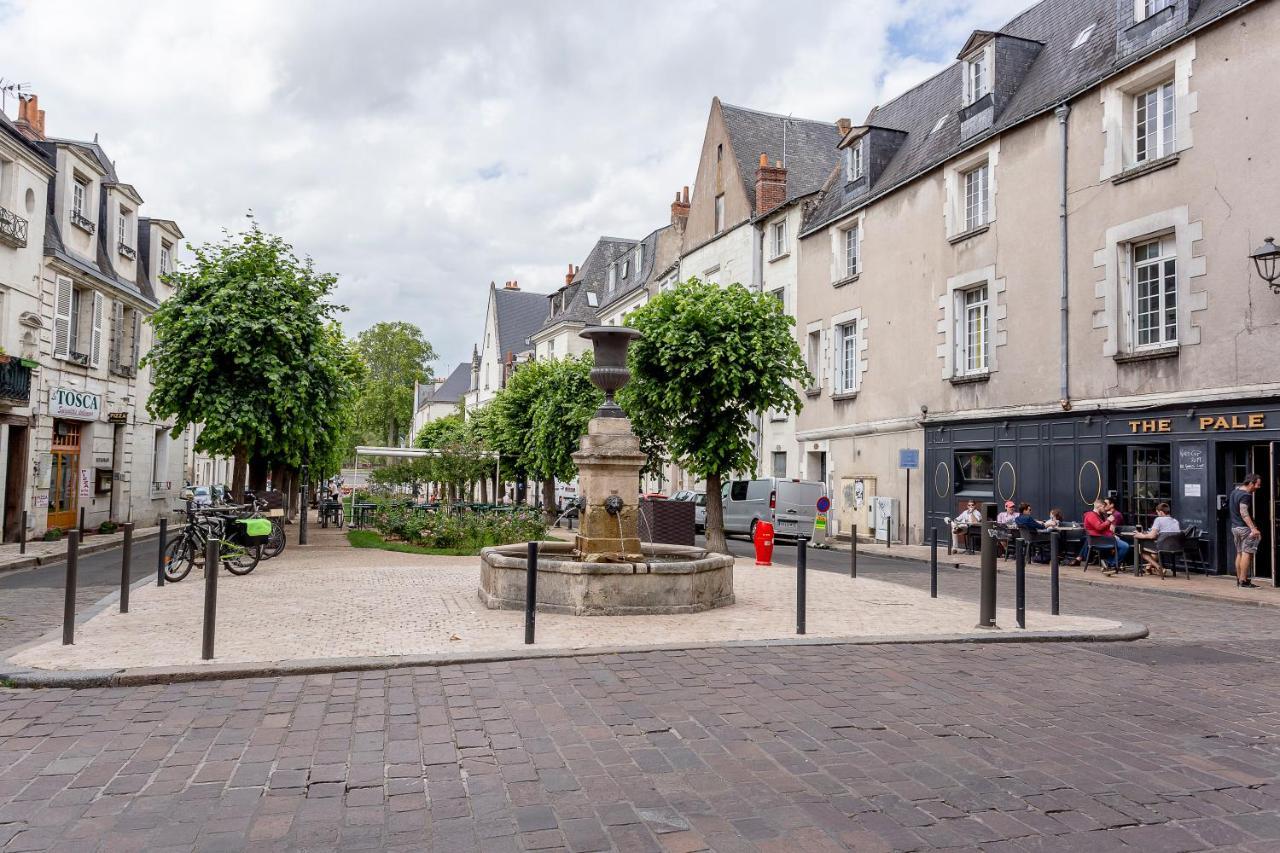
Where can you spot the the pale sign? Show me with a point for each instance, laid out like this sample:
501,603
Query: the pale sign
77,405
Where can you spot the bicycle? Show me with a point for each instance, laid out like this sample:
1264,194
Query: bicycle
276,542
242,543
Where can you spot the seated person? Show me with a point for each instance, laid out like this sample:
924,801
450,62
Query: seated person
1098,523
1164,525
960,524
1026,521
1054,520
1008,516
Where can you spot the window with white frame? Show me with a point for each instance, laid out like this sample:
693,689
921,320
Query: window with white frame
79,196
160,460
852,239
639,257
973,337
780,463
1147,8
813,357
1155,293
613,276
122,224
976,184
667,283
781,295
551,348
975,77
780,238
1153,117
847,354
853,165
719,213
626,267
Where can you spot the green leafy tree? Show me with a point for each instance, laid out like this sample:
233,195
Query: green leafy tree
395,355
441,431
709,357
247,347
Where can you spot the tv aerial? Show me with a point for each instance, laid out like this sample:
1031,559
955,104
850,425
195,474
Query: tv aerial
10,87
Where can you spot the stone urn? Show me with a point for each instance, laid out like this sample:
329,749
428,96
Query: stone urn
610,372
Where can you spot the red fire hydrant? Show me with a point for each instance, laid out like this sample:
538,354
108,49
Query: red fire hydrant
764,543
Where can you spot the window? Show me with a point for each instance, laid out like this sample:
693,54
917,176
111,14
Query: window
738,490
847,340
1155,293
1153,123
160,460
667,283
593,300
126,323
639,258
975,332
937,127
851,251
853,162
974,470
1083,36
1150,7
712,276
551,348
79,197
719,213
779,238
613,277
781,295
975,197
780,463
1146,479
626,268
975,77
166,257
813,357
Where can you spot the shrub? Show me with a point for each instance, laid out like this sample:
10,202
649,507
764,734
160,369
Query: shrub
473,530
108,527
53,534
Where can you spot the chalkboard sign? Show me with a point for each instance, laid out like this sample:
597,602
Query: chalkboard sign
1191,457
1192,494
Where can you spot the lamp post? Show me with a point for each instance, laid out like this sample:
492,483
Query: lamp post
1266,259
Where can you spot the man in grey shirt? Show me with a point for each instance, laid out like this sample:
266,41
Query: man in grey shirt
1243,530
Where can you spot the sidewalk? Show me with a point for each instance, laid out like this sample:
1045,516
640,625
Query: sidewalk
1217,587
40,552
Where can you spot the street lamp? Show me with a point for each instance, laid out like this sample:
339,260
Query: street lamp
1267,260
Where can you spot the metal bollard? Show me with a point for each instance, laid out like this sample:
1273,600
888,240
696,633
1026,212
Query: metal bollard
164,531
933,565
81,521
530,592
302,506
888,533
126,560
1020,581
987,574
802,566
853,552
1054,559
951,538
212,561
69,602
22,534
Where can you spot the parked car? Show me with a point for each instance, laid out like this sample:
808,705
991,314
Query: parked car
789,505
699,500
202,495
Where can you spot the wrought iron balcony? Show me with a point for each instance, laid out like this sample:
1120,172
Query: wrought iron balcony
13,229
83,222
126,250
81,358
15,381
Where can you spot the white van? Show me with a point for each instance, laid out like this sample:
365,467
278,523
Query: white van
789,505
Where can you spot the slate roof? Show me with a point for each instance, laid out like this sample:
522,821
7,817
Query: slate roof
810,148
519,315
451,390
1057,74
636,279
571,304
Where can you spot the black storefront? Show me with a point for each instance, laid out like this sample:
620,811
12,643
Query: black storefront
1189,455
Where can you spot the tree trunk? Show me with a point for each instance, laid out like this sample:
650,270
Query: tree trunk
257,474
549,501
239,460
289,485
484,490
716,541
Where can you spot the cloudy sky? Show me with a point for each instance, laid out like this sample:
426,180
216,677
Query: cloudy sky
422,149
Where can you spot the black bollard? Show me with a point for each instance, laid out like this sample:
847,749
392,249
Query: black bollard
853,552
530,592
802,565
302,506
1054,558
126,560
81,521
69,601
164,530
987,574
1020,581
22,534
212,560
933,565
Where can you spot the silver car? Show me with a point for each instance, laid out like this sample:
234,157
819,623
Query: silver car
699,500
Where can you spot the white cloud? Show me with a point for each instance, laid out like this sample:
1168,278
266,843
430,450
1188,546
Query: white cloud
420,150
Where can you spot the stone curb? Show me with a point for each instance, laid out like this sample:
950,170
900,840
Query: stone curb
31,562
138,676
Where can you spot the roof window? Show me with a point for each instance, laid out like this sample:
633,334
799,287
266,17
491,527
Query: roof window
593,301
1083,36
937,127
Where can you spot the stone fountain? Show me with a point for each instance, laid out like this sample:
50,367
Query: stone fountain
606,570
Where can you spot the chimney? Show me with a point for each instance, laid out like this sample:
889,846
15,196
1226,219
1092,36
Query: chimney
771,185
568,276
843,125
680,208
511,285
30,117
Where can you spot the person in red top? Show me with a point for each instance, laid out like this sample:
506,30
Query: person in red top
1098,523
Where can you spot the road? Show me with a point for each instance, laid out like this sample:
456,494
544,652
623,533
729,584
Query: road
1168,744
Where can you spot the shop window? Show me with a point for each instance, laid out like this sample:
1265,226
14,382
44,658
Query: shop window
1146,479
974,471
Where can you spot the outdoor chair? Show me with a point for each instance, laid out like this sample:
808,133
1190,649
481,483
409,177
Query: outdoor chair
1173,547
1098,547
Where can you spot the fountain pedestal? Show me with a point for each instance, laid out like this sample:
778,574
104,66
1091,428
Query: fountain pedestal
609,462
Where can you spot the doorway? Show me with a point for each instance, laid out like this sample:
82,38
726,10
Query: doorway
1236,460
64,481
15,483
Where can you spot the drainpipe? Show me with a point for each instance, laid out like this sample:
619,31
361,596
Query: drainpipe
1064,384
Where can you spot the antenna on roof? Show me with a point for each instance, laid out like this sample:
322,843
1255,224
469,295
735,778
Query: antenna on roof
785,122
7,88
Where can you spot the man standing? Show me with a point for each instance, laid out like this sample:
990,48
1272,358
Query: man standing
1243,530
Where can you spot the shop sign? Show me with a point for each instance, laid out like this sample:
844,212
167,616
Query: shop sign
118,417
86,483
78,405
1208,423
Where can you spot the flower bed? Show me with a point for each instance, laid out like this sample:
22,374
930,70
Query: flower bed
469,531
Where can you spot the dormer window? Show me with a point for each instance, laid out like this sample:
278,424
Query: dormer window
613,276
626,267
124,245
719,213
80,205
639,257
853,162
1146,8
166,257
976,77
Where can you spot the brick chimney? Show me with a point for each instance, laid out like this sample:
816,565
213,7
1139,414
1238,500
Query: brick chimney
680,209
843,125
511,285
30,117
771,185
568,276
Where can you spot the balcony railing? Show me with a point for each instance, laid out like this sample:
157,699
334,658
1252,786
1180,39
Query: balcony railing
81,358
13,229
15,381
83,222
126,250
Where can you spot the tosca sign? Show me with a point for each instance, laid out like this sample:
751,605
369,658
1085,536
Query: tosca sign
78,405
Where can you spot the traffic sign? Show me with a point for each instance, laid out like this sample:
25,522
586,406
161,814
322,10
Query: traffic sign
908,457
824,503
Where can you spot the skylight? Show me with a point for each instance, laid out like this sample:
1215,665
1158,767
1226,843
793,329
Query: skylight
1083,36
937,127
592,299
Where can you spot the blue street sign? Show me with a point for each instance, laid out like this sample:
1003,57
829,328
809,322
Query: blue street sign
908,457
824,503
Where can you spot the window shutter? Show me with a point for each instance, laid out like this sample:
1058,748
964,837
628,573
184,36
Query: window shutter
62,318
957,334
117,335
135,341
95,342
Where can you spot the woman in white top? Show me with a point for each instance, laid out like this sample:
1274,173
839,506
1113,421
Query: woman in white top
1163,525
960,524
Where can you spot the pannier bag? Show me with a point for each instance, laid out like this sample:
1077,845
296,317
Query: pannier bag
256,530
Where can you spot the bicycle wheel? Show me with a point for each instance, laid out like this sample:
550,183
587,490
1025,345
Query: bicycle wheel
240,559
276,542
179,557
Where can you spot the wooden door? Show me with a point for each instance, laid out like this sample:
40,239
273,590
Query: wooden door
15,484
64,483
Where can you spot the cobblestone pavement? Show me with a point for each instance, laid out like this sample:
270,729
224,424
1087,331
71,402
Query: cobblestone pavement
1168,744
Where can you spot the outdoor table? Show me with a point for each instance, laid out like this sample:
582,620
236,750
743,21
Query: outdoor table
360,515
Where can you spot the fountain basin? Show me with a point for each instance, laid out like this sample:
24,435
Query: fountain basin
671,579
